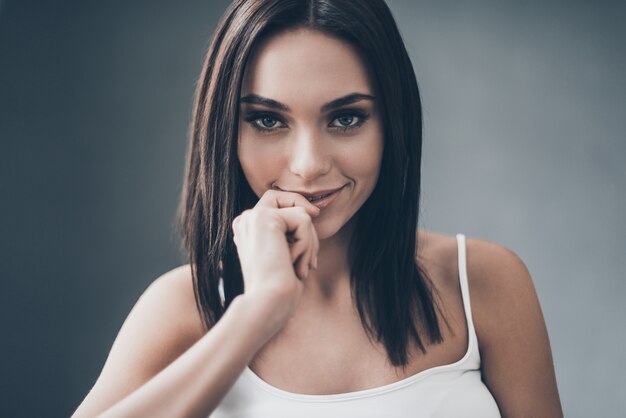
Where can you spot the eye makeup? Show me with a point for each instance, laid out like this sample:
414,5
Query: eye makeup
260,120
348,123
267,122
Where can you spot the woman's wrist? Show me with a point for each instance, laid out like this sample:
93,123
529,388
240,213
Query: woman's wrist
263,317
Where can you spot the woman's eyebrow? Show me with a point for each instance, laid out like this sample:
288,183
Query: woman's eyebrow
256,99
346,100
342,101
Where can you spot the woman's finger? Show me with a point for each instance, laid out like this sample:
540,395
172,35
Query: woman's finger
312,246
296,221
280,199
316,247
298,249
301,267
301,236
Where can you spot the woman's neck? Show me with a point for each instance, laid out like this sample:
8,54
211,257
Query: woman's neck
333,273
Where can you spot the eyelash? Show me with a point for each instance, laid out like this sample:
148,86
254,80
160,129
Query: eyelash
255,117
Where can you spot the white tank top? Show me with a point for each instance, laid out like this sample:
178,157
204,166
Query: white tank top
451,390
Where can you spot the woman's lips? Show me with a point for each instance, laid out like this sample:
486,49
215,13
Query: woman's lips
327,200
320,203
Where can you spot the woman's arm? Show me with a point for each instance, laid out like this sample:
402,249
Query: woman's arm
162,365
515,350
136,379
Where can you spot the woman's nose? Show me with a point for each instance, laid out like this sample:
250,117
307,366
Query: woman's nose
309,156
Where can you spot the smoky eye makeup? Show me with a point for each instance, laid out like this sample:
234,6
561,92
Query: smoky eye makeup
264,121
341,120
348,119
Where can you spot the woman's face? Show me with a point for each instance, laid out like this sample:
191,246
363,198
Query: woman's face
309,123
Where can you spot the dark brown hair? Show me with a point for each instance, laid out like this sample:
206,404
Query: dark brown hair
392,294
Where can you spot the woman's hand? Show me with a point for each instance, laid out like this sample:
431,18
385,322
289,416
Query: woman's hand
277,246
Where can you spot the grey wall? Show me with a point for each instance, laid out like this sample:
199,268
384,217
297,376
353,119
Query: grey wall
524,121
526,146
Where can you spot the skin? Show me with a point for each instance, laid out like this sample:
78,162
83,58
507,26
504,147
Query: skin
309,149
302,149
297,294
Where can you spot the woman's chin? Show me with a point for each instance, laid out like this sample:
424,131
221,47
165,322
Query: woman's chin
326,230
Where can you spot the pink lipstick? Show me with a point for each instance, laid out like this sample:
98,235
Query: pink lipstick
322,199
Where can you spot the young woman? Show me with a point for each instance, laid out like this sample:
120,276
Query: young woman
309,290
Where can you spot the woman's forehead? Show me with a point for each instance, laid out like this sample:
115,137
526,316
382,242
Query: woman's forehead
305,64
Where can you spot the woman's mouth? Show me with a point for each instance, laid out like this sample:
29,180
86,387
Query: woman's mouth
322,200
318,197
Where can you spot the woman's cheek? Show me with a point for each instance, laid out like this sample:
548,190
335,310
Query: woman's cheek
365,158
259,164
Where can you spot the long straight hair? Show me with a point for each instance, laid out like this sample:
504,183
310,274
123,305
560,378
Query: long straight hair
395,299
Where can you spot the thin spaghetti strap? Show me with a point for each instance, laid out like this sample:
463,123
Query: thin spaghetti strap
462,258
220,288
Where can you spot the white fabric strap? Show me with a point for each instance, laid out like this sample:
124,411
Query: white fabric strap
463,280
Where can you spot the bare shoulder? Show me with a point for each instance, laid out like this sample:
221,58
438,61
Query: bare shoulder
164,316
162,325
501,289
168,307
175,290
516,358
490,266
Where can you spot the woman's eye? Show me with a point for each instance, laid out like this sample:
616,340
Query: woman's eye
264,122
349,121
267,122
345,120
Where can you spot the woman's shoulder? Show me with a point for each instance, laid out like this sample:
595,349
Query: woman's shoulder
504,303
161,326
174,289
167,313
502,294
515,354
490,266
498,280
494,266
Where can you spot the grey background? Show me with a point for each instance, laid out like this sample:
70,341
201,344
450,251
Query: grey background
525,146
